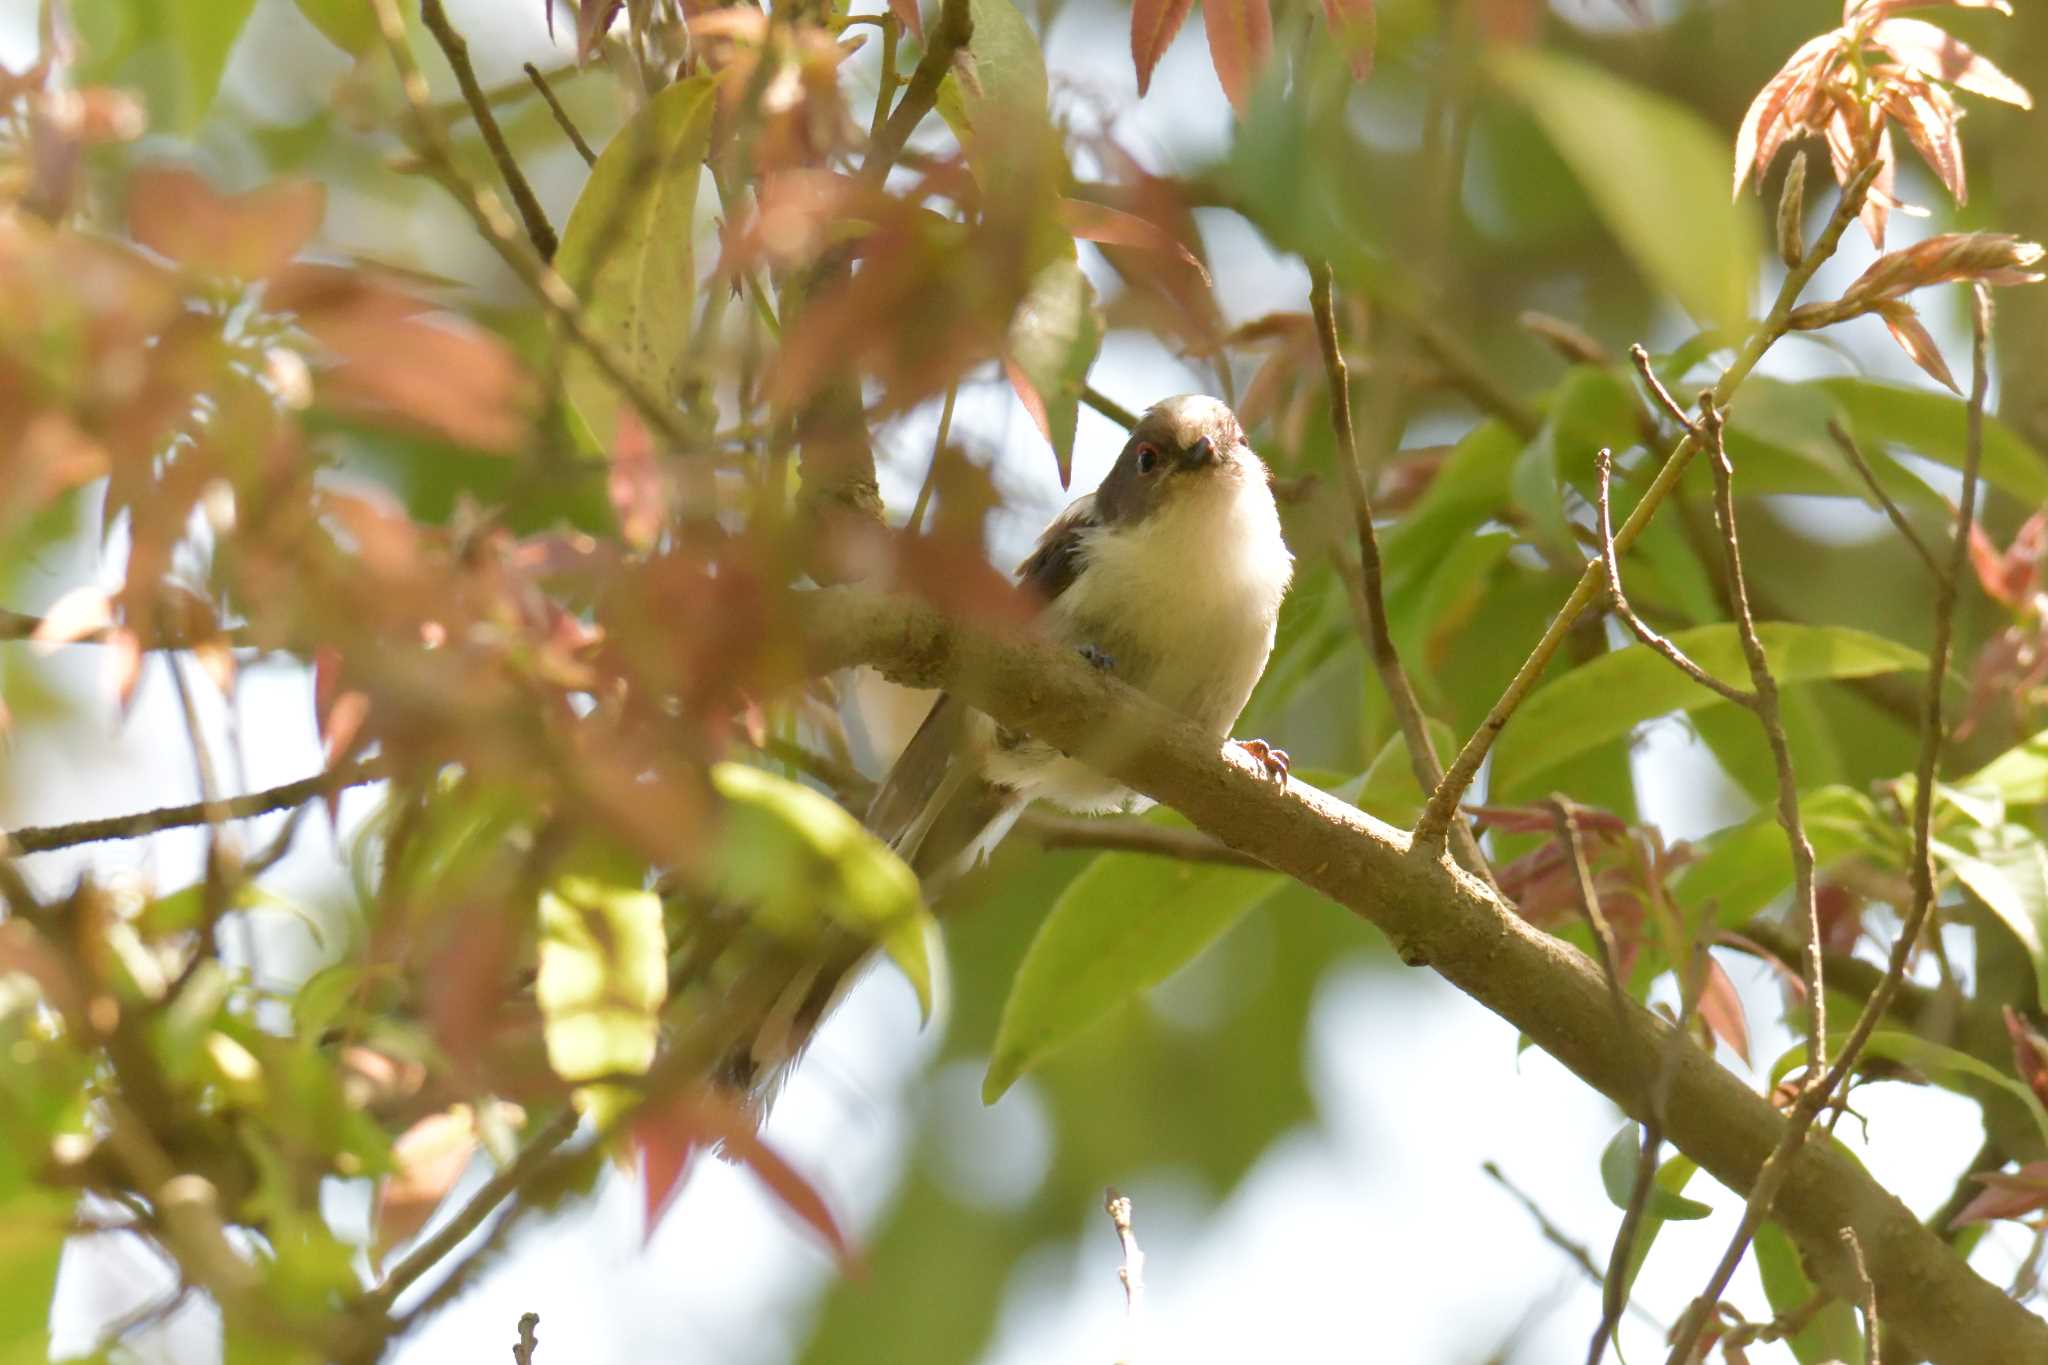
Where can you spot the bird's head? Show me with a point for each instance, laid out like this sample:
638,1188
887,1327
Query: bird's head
1180,446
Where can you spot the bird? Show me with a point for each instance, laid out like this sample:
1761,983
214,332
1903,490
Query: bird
1169,576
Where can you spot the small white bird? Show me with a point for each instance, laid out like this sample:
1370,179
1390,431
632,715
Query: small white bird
1169,575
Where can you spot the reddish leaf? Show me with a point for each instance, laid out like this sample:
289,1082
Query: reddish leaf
593,21
2029,1051
1774,113
2009,578
2006,1195
1721,1007
1355,26
1153,25
670,1135
633,483
246,236
1240,43
1093,222
1034,403
1914,339
1878,9
1936,53
908,15
1928,115
431,1156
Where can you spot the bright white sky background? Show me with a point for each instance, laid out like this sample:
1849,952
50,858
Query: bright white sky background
1372,1236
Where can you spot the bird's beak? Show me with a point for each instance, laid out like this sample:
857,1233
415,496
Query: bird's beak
1199,455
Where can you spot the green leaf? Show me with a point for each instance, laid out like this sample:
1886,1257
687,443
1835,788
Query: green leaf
1655,172
792,855
996,100
1606,698
1931,424
2007,869
2019,775
33,1228
628,250
1671,1179
350,25
1618,1166
1388,789
1125,924
603,977
1588,410
173,51
1053,339
1744,868
1943,1065
1832,1334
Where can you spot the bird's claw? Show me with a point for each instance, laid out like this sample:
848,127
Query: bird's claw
1274,761
1097,659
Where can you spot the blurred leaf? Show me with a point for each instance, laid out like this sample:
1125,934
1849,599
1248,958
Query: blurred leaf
1471,487
1832,1335
1671,1179
431,1157
1240,45
1745,867
629,251
1052,343
1654,171
995,100
2019,775
603,977
1153,26
1608,697
1588,410
174,51
1355,26
1618,1166
1932,425
2007,869
1943,1065
791,854
350,25
1127,923
34,1225
250,236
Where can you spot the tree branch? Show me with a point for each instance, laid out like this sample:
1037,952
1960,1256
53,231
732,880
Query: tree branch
43,838
1433,912
456,49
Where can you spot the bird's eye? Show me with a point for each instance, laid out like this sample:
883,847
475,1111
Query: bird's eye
1148,459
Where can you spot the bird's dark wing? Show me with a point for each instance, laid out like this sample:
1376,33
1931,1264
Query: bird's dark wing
1061,552
919,770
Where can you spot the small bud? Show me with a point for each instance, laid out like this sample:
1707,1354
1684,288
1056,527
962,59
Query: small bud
1792,213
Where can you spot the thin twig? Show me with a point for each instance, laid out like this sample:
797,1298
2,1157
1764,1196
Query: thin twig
428,1253
1437,816
1562,1240
1370,601
1603,464
1933,733
1129,835
1870,1326
456,49
1131,1273
1108,407
921,92
931,474
522,1351
43,838
1891,509
562,119
1672,407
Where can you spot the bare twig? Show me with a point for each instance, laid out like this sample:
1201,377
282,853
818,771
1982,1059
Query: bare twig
1432,829
1131,1273
1870,1326
562,119
931,473
1108,407
456,49
523,1349
1562,1240
429,1251
1849,448
953,31
43,838
1369,601
1933,732
1672,407
1603,464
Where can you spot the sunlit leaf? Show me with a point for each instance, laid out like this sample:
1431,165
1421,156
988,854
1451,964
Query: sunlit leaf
1125,924
1093,222
174,51
1355,26
2019,775
1932,424
1153,25
628,250
1653,170
1052,343
1240,45
350,25
1608,697
603,977
1935,52
796,859
2006,869
431,1156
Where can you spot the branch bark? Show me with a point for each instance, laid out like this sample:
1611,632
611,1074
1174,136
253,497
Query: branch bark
1435,913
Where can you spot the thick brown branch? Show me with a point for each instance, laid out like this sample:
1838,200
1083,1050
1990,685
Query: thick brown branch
1434,913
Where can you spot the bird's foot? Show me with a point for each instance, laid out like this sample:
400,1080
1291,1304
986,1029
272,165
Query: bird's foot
1274,761
1097,659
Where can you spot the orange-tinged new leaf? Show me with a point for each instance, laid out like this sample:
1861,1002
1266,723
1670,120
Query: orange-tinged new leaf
1153,26
1721,1007
1095,222
1240,43
431,1156
1936,53
1914,339
1355,26
908,15
252,236
2006,1195
1853,10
